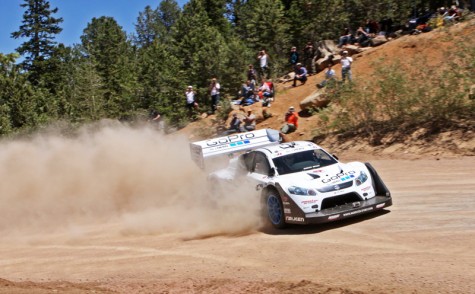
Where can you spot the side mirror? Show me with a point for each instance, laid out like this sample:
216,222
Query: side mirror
272,172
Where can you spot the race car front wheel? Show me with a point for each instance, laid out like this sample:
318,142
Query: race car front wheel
275,212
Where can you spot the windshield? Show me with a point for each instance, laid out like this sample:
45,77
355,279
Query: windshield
301,161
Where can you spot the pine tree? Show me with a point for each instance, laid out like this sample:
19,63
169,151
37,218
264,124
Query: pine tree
105,42
263,26
40,28
19,101
153,24
199,45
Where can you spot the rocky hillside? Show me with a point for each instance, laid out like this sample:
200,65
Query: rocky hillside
446,141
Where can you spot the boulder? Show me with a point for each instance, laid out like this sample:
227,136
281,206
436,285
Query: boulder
325,48
322,63
325,52
378,40
352,49
317,99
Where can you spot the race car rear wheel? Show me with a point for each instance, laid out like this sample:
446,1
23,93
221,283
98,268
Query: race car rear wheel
275,211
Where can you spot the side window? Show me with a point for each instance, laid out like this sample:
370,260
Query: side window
246,161
261,165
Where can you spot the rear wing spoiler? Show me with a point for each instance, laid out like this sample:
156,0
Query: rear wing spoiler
227,145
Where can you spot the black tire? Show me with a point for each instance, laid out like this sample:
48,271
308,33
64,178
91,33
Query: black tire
274,210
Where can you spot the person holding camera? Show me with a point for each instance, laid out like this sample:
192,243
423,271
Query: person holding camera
263,63
214,92
191,103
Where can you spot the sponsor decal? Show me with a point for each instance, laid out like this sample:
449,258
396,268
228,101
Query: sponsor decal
285,198
309,201
366,188
358,211
295,219
287,210
332,217
231,140
286,203
340,177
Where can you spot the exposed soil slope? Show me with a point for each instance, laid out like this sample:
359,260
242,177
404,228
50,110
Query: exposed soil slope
451,141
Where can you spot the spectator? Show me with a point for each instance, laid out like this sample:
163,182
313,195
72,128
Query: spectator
157,120
330,75
363,39
385,27
371,27
263,63
190,100
252,75
309,53
293,58
300,75
234,125
214,92
250,121
346,62
451,15
291,121
247,89
266,92
346,38
253,98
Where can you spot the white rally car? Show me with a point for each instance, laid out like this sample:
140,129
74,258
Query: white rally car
299,182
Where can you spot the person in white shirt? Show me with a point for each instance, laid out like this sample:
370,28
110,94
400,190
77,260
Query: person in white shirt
263,63
190,100
346,62
330,75
214,92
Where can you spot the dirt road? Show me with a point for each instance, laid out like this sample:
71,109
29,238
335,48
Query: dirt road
422,244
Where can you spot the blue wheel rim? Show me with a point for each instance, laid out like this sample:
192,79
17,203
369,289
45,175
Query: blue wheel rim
274,210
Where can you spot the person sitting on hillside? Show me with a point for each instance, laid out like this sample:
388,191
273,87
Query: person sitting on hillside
330,75
346,38
253,98
266,93
252,75
300,75
363,39
371,27
234,125
250,121
451,15
291,121
246,89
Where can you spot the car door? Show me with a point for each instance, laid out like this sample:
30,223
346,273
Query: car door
260,168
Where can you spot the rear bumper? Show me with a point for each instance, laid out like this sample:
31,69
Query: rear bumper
348,210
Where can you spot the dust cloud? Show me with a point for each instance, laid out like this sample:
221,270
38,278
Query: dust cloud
115,178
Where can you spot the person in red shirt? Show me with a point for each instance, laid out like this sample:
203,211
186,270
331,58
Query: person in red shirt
291,121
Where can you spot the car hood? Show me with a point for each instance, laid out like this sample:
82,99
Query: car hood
321,177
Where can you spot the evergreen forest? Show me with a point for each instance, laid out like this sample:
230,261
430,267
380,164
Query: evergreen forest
110,74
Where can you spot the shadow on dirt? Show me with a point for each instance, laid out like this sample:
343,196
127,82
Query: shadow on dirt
318,228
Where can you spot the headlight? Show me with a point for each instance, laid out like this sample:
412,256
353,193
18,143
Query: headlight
361,178
302,191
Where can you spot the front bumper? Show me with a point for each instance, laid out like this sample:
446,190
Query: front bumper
348,210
